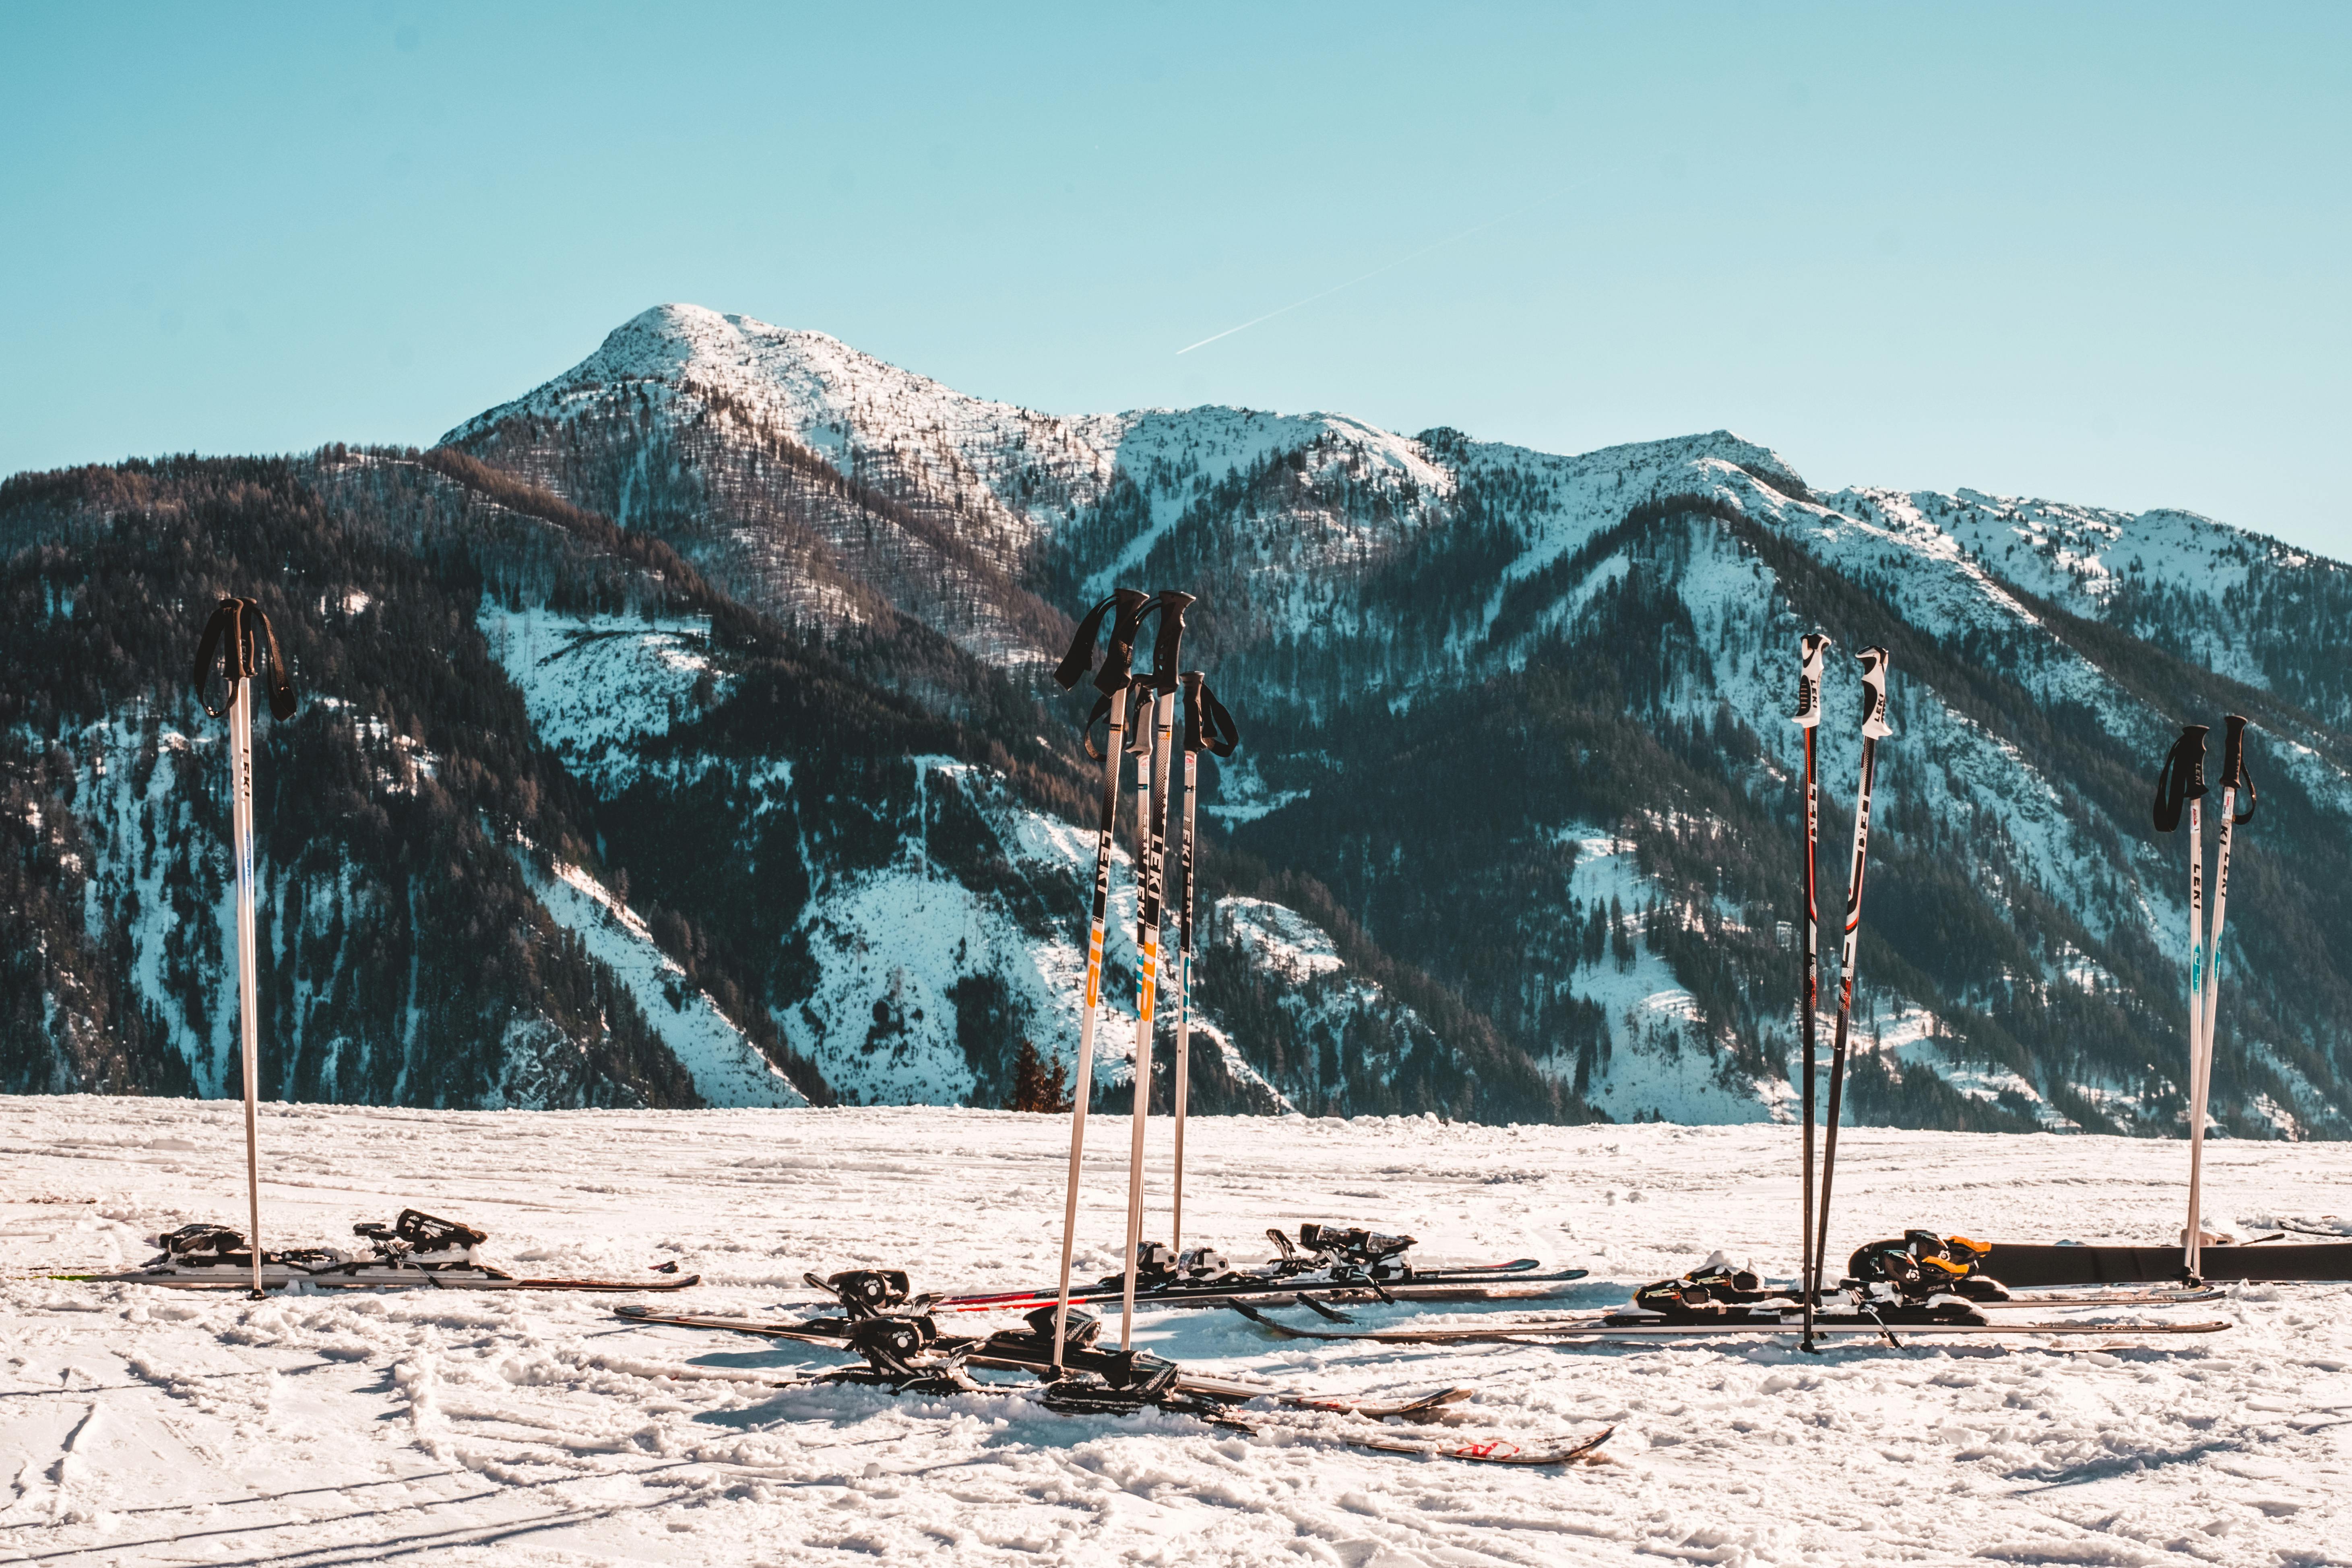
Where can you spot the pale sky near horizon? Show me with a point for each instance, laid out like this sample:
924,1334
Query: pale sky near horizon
2090,253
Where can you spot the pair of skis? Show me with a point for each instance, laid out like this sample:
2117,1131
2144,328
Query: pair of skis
1875,727
2181,782
417,1250
905,1353
1141,712
1867,1322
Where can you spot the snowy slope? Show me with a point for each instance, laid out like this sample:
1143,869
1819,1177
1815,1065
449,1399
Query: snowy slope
146,1428
727,1067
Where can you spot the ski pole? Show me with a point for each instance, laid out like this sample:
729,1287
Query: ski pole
1207,727
1808,717
2234,776
1874,727
1151,835
1127,606
2182,780
233,640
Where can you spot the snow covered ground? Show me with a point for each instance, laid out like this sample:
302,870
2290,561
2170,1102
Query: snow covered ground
144,1426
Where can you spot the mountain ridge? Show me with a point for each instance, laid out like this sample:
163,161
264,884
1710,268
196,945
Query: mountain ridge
1511,835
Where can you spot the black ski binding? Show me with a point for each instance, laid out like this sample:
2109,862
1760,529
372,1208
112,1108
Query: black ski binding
1923,1265
1083,1329
871,1292
1721,1287
206,1246
204,1242
1354,1250
1121,1383
895,1358
416,1236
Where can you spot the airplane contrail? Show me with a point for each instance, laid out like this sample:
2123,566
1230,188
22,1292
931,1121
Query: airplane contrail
1375,272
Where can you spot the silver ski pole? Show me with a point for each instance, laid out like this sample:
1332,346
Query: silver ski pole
1129,607
1808,717
2181,782
1151,837
1874,727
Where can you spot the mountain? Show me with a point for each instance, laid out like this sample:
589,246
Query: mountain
753,730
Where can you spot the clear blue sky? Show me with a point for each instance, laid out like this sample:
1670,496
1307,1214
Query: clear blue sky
2091,253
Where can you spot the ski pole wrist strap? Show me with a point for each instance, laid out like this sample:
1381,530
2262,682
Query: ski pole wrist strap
239,640
1207,726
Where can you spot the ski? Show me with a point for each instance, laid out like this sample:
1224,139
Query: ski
2031,1265
945,1378
1325,1259
1490,1452
1522,1277
1659,1329
416,1251
361,1277
1087,1381
1437,1405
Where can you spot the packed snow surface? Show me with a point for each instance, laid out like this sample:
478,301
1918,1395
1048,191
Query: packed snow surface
149,1426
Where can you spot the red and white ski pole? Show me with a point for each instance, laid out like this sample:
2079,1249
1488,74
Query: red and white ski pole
1875,727
1808,717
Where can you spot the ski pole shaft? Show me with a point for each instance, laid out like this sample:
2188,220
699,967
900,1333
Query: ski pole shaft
1152,779
240,743
1125,608
2181,782
234,643
1808,717
1084,1078
1874,726
1183,992
2233,777
2192,1237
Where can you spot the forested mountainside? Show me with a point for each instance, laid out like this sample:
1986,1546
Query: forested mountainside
690,741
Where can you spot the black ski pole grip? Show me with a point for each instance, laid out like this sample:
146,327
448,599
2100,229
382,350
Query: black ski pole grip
2183,778
1169,649
1126,606
2234,765
1138,717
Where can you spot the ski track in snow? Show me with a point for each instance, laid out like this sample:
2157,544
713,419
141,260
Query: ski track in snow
146,1426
